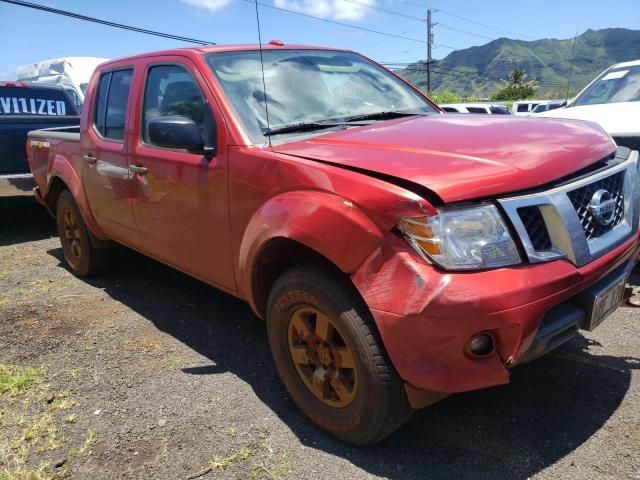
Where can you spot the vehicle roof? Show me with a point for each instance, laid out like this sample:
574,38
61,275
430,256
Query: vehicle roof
465,105
21,84
632,63
202,50
531,101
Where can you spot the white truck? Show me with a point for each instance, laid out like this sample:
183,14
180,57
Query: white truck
613,101
71,73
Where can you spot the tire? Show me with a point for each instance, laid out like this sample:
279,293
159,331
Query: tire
360,404
81,256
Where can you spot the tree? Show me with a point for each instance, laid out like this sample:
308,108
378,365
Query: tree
516,86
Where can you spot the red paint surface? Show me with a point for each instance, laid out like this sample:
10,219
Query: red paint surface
213,218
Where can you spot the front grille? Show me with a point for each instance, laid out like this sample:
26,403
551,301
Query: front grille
568,229
535,227
581,199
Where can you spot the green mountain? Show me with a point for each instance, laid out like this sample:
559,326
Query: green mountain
477,71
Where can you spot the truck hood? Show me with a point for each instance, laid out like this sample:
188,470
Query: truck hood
459,156
615,118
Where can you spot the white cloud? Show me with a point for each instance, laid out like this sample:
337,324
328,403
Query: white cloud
210,5
336,9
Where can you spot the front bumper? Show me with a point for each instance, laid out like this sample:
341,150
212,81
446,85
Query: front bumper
426,316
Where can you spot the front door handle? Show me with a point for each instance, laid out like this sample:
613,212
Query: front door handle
90,159
138,170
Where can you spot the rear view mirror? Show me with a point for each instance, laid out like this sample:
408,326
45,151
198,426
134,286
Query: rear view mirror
177,131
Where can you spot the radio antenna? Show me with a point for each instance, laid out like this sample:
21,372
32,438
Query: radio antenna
264,83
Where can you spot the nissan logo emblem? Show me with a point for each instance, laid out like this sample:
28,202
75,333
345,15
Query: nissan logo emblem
603,207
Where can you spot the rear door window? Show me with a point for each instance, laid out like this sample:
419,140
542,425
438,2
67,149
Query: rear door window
35,101
523,107
110,112
476,110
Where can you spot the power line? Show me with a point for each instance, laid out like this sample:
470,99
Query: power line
107,23
384,10
302,14
379,41
410,4
466,32
459,17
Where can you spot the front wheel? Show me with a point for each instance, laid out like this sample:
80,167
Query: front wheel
330,357
81,256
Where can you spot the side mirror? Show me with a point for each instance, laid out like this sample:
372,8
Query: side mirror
177,131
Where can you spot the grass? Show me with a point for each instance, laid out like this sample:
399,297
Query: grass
15,380
278,472
223,463
89,440
23,473
33,417
71,418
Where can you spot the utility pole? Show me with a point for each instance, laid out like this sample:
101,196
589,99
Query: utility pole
429,42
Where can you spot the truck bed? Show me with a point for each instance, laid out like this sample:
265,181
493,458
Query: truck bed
64,141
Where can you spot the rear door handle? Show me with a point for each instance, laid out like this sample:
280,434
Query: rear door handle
90,159
138,170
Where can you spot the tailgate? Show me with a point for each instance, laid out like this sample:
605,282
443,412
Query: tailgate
13,137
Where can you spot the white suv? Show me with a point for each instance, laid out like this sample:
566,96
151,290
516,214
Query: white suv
613,101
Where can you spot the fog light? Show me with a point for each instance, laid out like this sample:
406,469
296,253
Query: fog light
482,344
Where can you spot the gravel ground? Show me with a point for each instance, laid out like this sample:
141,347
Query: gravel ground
166,377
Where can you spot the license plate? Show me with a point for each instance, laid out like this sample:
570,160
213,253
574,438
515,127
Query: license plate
606,302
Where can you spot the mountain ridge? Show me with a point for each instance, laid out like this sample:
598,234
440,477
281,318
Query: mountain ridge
478,71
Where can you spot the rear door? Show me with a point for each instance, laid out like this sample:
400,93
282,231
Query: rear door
181,198
105,169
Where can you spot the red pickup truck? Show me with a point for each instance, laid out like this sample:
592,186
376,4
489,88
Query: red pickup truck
398,254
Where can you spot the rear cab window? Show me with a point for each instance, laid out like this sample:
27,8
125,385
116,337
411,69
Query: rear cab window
110,110
17,100
477,110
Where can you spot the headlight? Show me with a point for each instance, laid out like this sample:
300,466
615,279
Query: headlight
462,238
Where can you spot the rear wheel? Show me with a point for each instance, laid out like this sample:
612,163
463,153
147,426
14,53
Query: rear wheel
81,256
330,357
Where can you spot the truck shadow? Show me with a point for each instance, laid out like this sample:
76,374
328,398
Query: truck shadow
22,219
551,407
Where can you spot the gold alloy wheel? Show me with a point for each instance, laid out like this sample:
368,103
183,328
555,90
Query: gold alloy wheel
322,358
71,235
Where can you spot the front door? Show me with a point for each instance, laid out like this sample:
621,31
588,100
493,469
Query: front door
105,169
181,198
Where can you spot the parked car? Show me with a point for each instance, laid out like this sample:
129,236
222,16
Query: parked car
490,108
398,254
552,105
525,107
25,107
70,73
613,101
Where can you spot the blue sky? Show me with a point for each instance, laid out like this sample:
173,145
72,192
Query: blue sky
28,36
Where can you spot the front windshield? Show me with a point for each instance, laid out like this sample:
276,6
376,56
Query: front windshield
619,85
308,86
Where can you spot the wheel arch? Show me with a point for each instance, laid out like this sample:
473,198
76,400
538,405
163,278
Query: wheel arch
302,227
64,177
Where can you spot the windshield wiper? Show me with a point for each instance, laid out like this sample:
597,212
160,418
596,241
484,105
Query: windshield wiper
382,116
302,127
